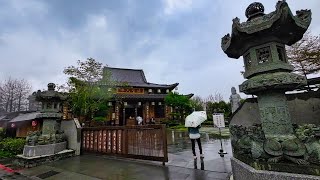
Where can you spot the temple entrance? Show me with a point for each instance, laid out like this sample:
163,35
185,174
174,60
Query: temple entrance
130,113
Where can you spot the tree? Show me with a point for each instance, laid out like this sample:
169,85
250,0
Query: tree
90,87
305,54
197,103
14,94
180,103
218,107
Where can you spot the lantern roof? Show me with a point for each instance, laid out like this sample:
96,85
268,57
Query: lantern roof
50,94
278,26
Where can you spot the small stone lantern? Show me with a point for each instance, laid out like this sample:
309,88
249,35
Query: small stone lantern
51,111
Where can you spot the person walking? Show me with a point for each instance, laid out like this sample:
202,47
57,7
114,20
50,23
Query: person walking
194,136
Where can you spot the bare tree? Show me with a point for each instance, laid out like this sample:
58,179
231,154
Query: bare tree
216,97
13,94
305,54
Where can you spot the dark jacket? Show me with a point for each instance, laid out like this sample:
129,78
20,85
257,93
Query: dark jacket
193,130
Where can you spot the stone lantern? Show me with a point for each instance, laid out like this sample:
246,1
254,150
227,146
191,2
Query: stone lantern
51,111
261,41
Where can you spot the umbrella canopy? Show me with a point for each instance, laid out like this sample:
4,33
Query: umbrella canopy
195,119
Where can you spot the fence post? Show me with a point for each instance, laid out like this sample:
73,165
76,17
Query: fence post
126,141
165,146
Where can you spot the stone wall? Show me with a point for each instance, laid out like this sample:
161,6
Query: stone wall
242,171
29,162
304,109
73,135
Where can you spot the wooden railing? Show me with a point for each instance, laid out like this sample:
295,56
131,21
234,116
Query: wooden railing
148,142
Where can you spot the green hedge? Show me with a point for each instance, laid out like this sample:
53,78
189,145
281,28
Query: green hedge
11,146
2,134
170,123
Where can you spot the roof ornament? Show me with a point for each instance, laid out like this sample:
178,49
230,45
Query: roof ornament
255,9
51,87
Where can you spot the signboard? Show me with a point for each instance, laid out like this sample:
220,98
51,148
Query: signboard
76,121
130,91
218,120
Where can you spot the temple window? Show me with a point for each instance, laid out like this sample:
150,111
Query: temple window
263,55
281,55
49,105
247,61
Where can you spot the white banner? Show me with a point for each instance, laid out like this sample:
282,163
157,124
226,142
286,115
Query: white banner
218,120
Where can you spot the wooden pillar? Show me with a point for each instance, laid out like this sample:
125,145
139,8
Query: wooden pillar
117,113
167,113
147,112
124,116
135,112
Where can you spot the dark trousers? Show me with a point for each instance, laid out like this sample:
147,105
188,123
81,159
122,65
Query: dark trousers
194,146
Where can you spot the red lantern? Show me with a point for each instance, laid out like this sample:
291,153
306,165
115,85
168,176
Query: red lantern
13,125
34,123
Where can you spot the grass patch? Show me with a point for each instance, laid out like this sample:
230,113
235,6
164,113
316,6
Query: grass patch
179,127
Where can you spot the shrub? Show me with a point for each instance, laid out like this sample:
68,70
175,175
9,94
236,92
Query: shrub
11,146
2,134
170,123
99,119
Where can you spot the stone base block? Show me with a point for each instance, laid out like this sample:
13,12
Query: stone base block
242,171
29,162
40,150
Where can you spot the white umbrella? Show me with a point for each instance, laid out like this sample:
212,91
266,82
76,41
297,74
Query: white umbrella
195,118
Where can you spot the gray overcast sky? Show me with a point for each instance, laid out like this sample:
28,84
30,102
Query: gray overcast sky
171,40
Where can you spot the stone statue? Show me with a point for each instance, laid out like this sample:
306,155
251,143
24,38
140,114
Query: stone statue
234,99
32,138
60,136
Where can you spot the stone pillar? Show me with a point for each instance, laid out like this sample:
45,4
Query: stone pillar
73,135
274,114
50,126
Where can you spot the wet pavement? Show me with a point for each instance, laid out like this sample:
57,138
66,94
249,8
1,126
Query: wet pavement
181,164
180,153
93,167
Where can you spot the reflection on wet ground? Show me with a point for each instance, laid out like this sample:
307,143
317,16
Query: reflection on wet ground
180,153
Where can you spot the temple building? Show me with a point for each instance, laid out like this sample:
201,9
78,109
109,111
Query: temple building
135,96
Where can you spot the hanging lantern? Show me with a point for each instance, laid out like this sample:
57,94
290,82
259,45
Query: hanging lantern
139,103
34,123
152,103
109,103
167,90
159,103
150,90
13,125
125,103
159,90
